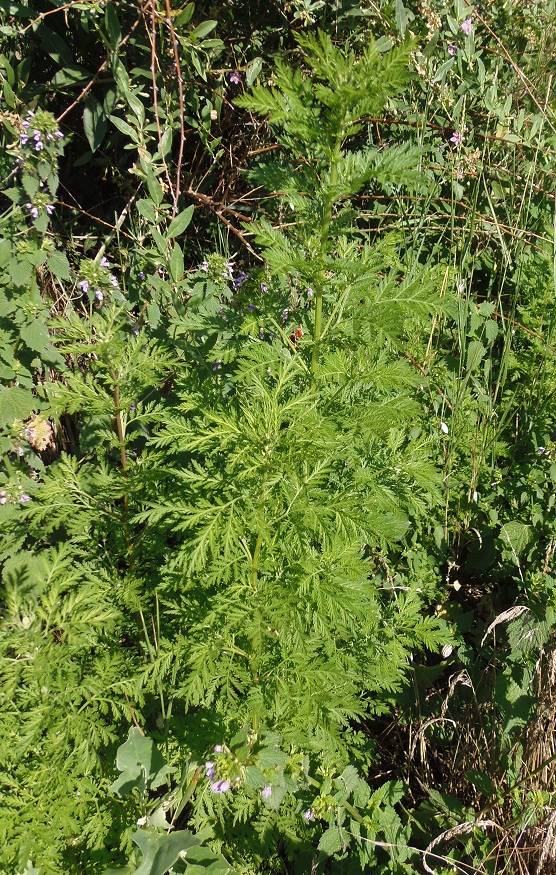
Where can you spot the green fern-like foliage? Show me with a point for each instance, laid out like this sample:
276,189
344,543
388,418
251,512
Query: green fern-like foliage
225,526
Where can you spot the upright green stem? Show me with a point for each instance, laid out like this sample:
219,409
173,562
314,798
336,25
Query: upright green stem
123,461
325,231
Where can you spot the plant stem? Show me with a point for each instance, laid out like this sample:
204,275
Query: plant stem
325,233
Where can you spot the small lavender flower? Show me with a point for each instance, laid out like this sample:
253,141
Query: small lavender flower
459,174
83,285
49,137
205,265
310,293
230,269
217,365
37,135
220,786
141,275
210,770
285,314
467,26
113,282
59,135
39,146
264,287
266,792
456,138
218,748
239,280
542,451
251,307
24,498
133,406
49,209
98,295
235,77
104,261
452,49
308,815
33,210
24,139
25,124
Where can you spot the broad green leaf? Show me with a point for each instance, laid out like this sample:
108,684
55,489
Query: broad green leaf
330,841
59,265
16,403
203,29
124,128
253,70
112,24
160,852
141,764
176,263
35,335
180,223
94,122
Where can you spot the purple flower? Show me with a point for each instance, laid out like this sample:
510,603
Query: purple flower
210,770
83,285
285,314
24,498
310,293
467,26
218,748
24,139
456,138
59,135
37,135
39,146
251,307
217,365
49,209
104,261
205,265
33,210
113,282
308,815
25,124
141,275
459,174
239,280
264,287
452,49
49,137
220,786
235,77
266,792
542,451
98,295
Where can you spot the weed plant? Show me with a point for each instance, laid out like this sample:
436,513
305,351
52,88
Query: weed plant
275,419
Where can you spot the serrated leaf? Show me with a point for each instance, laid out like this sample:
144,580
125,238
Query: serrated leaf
59,265
15,403
269,757
35,335
181,222
330,841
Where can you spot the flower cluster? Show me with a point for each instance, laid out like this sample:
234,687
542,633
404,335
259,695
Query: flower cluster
39,205
97,279
14,496
40,131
